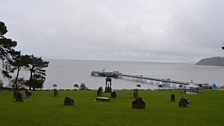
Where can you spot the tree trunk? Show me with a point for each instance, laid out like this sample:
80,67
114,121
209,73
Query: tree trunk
17,76
31,76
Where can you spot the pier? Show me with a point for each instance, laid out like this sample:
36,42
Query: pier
104,73
138,78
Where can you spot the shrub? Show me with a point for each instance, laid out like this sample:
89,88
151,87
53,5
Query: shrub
83,86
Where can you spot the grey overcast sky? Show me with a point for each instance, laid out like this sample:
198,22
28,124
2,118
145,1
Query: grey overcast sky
136,30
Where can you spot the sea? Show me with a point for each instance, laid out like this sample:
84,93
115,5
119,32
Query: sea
66,73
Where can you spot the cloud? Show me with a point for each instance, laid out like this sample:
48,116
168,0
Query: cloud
144,30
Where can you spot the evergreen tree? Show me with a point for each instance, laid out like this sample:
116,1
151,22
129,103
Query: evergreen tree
36,67
6,51
12,61
19,61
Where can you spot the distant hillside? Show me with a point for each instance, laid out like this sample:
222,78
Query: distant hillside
213,61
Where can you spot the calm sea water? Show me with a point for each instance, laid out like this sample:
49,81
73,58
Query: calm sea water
66,73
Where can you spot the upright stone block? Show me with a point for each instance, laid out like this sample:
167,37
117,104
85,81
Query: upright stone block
184,102
138,103
19,96
69,101
28,93
172,97
56,92
113,94
100,92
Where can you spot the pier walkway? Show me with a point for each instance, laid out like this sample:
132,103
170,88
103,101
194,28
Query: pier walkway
139,78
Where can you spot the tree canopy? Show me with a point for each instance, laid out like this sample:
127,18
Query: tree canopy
3,28
19,61
12,61
7,50
36,67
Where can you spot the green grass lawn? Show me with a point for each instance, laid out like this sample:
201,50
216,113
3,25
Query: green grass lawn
207,109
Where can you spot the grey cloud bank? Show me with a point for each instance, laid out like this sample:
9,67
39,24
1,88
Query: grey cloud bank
143,30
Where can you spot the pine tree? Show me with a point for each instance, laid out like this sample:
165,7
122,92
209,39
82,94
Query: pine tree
6,51
36,67
19,61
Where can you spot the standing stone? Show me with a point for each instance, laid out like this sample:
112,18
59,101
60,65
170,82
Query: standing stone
19,96
28,93
183,102
100,91
188,100
138,103
15,93
172,97
56,92
68,101
135,93
113,94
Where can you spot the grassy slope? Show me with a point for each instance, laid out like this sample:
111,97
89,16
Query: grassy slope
45,110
